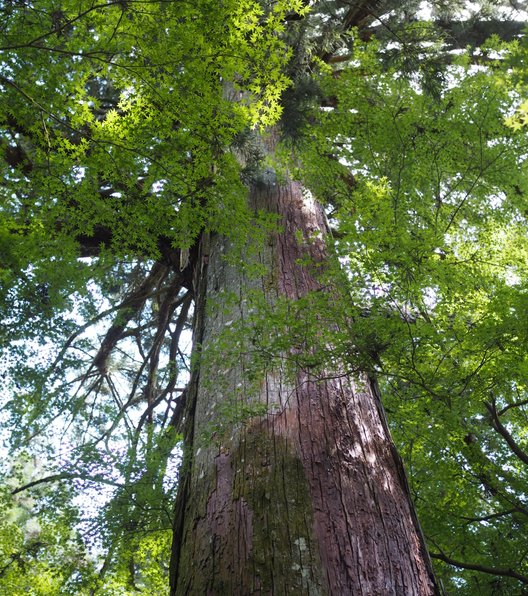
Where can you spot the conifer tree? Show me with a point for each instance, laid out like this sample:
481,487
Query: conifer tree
227,232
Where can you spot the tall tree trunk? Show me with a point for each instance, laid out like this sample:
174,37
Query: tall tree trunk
310,498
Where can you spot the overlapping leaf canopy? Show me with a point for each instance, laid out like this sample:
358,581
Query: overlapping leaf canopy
122,126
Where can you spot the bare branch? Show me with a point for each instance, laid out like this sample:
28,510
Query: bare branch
128,309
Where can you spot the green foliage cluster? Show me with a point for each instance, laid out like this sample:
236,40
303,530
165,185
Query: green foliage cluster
131,135
517,60
122,126
40,553
116,123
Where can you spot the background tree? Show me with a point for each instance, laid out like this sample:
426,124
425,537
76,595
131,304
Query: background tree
127,157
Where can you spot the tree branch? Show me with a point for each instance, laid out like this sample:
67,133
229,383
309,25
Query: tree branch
488,517
501,429
518,404
64,476
129,308
502,571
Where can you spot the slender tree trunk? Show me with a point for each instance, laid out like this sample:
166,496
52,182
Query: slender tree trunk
310,498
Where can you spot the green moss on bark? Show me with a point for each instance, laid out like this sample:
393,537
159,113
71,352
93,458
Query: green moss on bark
270,479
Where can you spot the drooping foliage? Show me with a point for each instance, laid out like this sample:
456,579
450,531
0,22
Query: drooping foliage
126,129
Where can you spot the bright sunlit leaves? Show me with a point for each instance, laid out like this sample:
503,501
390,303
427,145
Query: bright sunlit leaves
519,118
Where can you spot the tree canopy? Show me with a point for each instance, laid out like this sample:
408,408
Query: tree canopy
130,127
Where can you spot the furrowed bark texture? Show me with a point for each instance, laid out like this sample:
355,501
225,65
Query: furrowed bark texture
310,498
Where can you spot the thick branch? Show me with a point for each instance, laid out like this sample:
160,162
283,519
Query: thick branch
361,14
129,308
166,310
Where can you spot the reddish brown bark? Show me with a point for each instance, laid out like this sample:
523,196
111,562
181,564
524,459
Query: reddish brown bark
312,497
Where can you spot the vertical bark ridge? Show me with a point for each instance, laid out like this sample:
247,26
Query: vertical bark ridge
360,450
311,498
